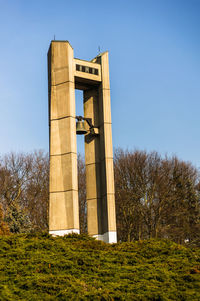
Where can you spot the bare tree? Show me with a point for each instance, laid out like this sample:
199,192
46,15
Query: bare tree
24,191
130,189
156,197
37,191
181,215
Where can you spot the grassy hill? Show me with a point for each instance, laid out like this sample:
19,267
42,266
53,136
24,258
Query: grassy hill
40,267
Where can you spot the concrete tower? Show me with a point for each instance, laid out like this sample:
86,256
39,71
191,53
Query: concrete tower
65,75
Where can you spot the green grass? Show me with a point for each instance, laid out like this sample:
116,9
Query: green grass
40,267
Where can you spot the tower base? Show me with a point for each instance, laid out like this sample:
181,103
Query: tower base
109,237
63,232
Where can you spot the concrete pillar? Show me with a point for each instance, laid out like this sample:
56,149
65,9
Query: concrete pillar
63,186
99,159
108,193
93,165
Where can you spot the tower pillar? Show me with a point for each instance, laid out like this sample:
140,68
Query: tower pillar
63,186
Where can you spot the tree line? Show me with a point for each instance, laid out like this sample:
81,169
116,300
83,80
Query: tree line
155,197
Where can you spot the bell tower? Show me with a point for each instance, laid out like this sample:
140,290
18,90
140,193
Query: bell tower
65,74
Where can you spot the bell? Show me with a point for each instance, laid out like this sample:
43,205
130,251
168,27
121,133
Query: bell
80,128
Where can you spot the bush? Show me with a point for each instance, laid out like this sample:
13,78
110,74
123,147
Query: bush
77,267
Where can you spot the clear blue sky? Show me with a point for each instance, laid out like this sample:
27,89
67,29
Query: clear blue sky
154,49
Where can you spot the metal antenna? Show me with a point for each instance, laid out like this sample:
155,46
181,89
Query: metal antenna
54,37
99,49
